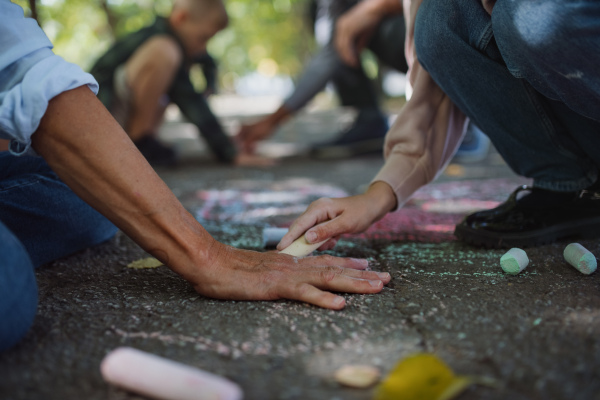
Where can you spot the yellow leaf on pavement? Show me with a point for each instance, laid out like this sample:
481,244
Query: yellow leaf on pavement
421,377
149,262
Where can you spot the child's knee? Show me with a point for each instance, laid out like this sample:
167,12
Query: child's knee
155,62
18,290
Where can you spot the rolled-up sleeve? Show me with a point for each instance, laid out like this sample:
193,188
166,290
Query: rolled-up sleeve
428,130
30,76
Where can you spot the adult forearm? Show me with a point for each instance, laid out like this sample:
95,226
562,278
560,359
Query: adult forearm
92,154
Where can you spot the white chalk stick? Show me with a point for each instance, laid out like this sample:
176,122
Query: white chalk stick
160,378
514,261
580,258
272,236
301,248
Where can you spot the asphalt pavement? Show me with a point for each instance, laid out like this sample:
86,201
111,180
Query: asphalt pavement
536,333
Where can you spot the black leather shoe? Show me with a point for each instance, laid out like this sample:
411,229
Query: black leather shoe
523,223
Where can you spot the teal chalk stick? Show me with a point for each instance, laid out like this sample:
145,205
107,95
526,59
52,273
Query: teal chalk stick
514,261
580,258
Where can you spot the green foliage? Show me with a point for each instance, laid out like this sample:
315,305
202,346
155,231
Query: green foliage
259,31
264,29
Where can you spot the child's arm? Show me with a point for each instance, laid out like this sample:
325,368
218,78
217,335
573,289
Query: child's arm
209,69
194,106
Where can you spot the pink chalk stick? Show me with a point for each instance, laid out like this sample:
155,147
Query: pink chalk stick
159,378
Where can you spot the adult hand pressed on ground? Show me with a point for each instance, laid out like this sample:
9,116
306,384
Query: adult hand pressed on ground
92,154
247,275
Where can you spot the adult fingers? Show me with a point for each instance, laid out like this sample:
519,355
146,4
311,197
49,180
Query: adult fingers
327,260
330,266
310,294
329,279
345,280
356,273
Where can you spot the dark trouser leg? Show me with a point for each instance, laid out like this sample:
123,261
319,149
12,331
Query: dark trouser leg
41,220
539,137
43,213
353,86
18,289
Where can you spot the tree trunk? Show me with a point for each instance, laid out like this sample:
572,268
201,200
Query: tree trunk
110,17
34,13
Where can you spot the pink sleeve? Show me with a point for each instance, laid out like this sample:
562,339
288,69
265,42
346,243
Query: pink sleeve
426,133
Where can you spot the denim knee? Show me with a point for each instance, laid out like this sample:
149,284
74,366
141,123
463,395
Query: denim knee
552,44
103,230
442,30
18,290
533,32
44,214
430,28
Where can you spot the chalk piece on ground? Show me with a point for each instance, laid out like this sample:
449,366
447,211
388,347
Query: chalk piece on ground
514,261
144,263
301,248
357,376
159,378
580,258
272,236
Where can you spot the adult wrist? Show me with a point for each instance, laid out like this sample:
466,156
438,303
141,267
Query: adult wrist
191,247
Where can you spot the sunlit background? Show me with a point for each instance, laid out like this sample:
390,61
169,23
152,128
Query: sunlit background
263,49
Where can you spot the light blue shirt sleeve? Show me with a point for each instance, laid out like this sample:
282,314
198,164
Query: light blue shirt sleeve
30,76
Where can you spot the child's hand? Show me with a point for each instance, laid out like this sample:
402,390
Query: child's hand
345,215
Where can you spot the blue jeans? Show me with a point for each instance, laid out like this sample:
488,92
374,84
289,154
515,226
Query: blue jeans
41,220
528,76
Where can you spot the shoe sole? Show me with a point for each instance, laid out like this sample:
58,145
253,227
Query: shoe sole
586,229
348,150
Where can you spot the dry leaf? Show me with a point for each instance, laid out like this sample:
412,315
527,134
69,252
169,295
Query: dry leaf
149,262
357,376
422,377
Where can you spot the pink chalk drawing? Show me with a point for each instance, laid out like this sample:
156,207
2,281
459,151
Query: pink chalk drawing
429,216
